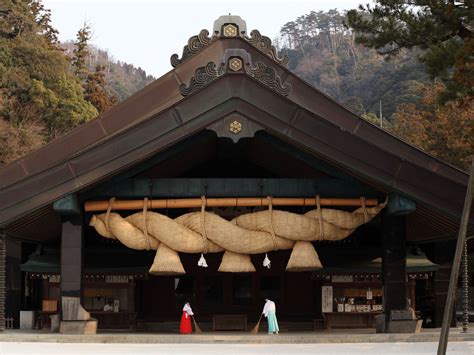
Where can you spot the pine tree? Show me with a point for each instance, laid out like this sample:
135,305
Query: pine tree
94,90
442,28
43,21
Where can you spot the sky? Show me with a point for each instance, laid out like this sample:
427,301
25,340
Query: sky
146,33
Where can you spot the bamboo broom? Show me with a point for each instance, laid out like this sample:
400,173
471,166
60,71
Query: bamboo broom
255,329
196,327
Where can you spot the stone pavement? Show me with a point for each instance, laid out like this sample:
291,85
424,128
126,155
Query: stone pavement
334,336
425,348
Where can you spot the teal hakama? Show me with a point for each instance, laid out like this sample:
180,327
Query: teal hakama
272,323
269,310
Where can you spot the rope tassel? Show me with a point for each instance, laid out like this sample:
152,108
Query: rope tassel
202,261
267,262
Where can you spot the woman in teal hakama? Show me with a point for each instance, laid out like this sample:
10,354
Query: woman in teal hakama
269,311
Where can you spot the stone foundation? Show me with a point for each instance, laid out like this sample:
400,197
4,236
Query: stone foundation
86,327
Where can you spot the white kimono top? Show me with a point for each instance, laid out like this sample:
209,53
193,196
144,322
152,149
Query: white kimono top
188,310
269,307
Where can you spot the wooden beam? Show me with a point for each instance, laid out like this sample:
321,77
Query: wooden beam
93,206
129,189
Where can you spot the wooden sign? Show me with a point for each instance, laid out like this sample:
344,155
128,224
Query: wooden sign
326,298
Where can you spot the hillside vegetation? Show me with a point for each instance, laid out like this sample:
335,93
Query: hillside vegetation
47,88
400,87
41,95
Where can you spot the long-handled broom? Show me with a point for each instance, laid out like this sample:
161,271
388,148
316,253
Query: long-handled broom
255,329
196,327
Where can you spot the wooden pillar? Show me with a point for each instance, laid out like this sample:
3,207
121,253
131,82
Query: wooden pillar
394,271
13,295
3,260
394,263
71,256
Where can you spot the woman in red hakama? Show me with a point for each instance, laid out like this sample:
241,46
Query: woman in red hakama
185,325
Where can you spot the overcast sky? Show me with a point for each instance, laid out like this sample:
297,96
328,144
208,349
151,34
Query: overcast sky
146,33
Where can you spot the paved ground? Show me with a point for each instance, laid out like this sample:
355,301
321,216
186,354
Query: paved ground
455,348
304,338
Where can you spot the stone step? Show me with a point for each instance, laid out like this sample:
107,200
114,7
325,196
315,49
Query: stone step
285,326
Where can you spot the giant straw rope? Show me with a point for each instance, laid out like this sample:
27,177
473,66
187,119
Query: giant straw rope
251,233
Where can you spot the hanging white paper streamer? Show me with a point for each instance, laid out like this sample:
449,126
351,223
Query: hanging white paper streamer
202,261
266,262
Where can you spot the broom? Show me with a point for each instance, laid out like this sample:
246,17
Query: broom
196,327
255,329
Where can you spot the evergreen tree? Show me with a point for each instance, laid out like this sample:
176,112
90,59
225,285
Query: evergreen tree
95,92
43,21
81,52
40,98
442,28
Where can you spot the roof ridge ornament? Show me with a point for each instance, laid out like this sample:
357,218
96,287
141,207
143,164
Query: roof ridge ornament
236,61
264,44
194,46
269,77
202,77
229,26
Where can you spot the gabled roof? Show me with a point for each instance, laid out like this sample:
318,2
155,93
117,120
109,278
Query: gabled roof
205,91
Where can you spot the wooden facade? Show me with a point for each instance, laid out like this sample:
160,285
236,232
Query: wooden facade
230,120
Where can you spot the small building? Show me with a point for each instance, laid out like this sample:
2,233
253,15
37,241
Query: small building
228,138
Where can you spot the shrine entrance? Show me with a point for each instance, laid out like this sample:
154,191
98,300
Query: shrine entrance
231,122
230,301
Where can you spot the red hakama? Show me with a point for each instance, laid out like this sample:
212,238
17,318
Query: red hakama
185,325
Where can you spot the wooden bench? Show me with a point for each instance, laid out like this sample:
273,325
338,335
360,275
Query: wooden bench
229,322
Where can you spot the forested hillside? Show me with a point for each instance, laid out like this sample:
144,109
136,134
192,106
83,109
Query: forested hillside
122,79
41,95
323,52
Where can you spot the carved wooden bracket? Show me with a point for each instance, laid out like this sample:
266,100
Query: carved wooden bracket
236,61
202,77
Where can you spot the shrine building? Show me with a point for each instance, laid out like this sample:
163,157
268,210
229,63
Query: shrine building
226,181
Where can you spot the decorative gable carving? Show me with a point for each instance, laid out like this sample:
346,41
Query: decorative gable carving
229,27
195,45
236,61
264,44
202,77
268,77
